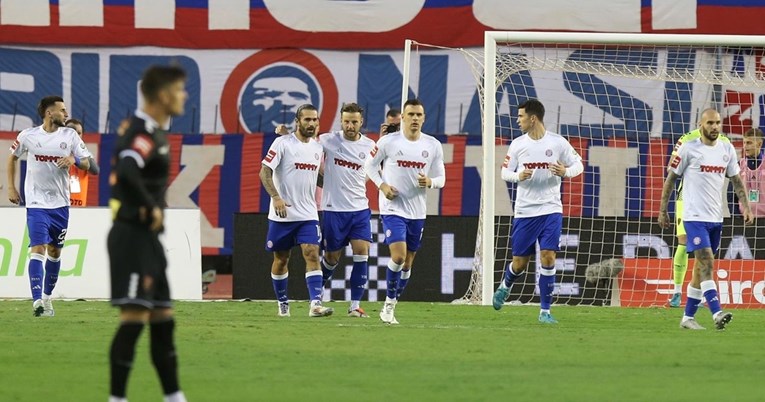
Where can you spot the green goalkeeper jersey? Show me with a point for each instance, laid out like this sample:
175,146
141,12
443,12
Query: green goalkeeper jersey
690,136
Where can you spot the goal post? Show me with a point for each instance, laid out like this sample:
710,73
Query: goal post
622,100
717,75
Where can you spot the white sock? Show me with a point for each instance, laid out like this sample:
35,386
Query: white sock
47,297
175,397
117,399
679,288
355,304
389,300
315,303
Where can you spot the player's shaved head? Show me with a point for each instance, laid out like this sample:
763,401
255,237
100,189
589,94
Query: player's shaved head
709,113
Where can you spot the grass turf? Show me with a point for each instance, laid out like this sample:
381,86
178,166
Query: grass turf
233,351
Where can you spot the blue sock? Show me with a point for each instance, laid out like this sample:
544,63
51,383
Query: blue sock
693,301
710,294
326,271
280,287
510,276
405,274
392,276
52,267
36,275
546,287
359,276
314,283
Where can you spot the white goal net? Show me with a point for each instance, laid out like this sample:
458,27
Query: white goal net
622,101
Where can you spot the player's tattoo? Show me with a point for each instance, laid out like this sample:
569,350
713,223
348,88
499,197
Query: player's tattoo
740,190
267,176
669,185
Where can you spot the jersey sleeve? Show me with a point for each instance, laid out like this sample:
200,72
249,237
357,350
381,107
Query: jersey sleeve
679,161
372,165
19,147
569,156
510,164
79,149
733,167
274,155
437,171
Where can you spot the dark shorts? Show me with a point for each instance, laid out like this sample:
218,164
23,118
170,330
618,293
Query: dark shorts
402,229
702,235
339,228
47,226
138,265
283,236
527,231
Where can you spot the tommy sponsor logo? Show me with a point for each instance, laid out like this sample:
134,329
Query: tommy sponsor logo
46,158
270,156
712,169
537,165
411,164
347,164
305,166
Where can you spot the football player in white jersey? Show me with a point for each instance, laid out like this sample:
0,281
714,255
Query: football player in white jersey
537,161
412,161
345,207
289,174
704,163
51,149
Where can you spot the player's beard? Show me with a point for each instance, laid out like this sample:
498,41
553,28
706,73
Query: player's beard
350,135
709,135
58,122
306,133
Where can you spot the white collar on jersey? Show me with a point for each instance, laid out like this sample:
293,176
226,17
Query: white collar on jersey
151,124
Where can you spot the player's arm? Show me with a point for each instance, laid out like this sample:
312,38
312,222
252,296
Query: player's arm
666,192
270,162
267,180
570,164
13,193
437,171
93,166
510,167
372,168
740,189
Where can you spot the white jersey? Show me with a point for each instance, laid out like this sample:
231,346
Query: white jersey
402,160
47,186
296,169
540,194
704,169
345,179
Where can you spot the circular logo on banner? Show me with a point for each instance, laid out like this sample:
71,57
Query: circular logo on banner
266,89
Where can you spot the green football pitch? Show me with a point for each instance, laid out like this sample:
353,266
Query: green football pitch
234,351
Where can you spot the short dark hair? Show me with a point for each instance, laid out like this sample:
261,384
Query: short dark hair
413,102
301,108
74,121
47,102
393,113
156,78
352,108
533,107
754,132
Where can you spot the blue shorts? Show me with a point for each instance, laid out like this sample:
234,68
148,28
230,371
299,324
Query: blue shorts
702,235
47,226
339,228
526,232
284,236
401,229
